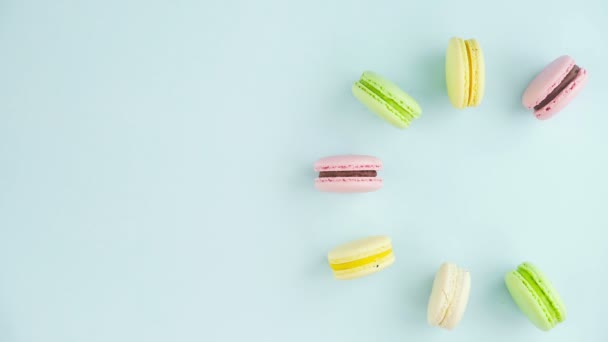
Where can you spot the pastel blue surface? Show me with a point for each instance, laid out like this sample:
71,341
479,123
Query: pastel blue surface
156,178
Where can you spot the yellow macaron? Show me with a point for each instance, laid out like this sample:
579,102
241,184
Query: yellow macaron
362,257
465,72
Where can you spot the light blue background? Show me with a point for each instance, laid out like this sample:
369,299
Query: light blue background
156,178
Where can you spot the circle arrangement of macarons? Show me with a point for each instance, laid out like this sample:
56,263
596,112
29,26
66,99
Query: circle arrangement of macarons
546,95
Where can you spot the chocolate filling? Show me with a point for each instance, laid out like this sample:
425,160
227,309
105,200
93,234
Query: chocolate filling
364,173
565,82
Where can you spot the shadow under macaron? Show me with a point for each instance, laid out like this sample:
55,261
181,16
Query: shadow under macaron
415,300
513,84
429,78
499,308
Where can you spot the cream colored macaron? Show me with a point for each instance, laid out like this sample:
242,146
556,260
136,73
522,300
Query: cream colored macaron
362,257
449,297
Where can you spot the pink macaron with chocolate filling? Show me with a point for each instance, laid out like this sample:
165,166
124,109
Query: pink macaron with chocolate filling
554,87
350,173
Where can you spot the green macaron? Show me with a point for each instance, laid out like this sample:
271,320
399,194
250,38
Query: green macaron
384,98
535,296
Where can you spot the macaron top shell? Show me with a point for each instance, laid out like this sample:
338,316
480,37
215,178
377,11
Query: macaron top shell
386,99
359,249
348,163
457,73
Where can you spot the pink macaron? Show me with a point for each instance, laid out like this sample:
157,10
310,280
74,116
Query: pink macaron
350,173
554,87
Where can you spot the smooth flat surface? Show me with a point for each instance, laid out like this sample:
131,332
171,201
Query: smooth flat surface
156,176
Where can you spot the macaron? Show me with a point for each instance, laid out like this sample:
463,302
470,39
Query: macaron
554,87
449,297
384,98
465,72
349,173
361,257
535,296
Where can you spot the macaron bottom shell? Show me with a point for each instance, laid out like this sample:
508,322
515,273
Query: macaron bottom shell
348,184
